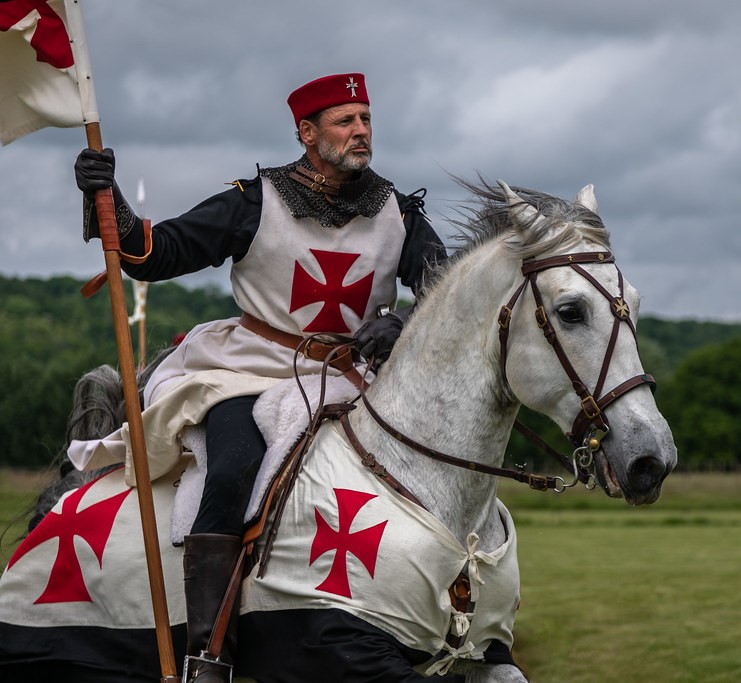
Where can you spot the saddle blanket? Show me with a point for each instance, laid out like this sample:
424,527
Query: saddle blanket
347,541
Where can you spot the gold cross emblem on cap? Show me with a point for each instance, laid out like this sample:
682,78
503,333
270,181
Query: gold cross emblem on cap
352,85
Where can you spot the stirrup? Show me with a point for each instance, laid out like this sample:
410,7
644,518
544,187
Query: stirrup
196,665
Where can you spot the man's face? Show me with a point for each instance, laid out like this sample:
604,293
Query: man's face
344,136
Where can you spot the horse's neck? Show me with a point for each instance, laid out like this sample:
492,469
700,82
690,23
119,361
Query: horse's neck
442,388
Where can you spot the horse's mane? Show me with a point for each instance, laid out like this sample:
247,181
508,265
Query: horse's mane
485,216
98,409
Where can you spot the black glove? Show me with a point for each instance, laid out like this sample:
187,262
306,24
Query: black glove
377,337
95,170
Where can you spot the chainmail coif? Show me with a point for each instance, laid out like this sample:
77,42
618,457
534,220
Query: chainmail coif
363,196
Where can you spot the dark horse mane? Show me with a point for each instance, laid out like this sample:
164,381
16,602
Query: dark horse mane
98,409
485,215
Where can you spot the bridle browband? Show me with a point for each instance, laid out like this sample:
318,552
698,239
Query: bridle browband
592,416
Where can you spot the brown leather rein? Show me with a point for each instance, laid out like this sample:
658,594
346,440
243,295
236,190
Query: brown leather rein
591,424
336,351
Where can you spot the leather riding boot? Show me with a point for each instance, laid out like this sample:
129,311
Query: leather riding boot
208,563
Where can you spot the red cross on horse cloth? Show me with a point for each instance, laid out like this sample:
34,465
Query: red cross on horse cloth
363,543
92,524
84,564
332,292
348,541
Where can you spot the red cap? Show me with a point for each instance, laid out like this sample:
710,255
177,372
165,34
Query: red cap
325,92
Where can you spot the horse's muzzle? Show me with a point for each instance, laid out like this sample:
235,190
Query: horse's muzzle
644,478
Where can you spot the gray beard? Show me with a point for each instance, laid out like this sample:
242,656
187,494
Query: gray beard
344,161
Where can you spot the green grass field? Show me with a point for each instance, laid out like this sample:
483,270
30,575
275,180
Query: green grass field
613,593
17,493
610,593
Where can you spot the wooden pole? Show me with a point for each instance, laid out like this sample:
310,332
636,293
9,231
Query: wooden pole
111,245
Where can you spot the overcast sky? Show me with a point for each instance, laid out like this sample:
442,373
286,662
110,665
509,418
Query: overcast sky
640,98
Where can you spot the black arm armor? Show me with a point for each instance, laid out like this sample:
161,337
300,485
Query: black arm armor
126,219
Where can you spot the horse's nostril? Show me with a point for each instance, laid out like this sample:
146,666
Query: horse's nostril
646,473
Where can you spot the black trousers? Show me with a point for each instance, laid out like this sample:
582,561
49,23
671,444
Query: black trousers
234,450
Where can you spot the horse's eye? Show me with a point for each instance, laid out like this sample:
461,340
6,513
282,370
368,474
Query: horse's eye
570,313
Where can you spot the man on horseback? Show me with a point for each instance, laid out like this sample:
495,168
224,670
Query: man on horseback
316,247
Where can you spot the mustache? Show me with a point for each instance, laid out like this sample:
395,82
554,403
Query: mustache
361,144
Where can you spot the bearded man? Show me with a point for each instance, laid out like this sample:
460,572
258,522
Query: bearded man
316,247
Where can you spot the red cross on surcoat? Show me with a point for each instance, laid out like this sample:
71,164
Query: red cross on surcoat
307,290
93,525
363,544
50,39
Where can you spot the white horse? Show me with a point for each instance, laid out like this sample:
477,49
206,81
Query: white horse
532,312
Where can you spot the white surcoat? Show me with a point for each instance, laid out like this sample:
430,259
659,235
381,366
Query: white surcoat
299,277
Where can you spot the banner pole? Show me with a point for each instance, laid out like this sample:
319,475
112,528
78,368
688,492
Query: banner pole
111,246
111,249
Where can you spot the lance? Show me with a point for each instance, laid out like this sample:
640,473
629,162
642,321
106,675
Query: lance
111,250
140,291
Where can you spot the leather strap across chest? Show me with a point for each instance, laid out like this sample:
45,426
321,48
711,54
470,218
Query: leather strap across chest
315,181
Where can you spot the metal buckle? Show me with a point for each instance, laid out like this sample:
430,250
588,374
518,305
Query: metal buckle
323,349
505,315
537,482
204,663
461,588
306,349
588,403
541,317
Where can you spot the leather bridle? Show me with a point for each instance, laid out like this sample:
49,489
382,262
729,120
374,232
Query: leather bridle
591,417
591,424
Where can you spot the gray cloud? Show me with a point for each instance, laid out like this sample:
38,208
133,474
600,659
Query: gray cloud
638,98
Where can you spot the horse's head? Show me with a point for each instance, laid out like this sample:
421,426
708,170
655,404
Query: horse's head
567,345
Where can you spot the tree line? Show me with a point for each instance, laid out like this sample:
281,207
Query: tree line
50,336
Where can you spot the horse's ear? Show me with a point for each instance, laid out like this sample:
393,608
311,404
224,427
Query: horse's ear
586,197
523,215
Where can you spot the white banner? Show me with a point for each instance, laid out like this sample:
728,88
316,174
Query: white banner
39,68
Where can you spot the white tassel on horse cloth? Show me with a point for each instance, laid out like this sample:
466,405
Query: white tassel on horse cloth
442,666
